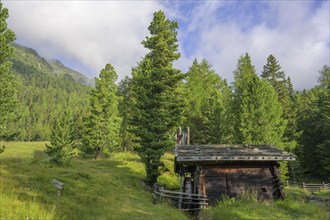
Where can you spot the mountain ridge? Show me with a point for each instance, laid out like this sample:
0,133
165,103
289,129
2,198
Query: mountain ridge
53,66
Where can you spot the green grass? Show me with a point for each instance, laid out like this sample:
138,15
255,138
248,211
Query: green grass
113,189
293,206
324,193
94,189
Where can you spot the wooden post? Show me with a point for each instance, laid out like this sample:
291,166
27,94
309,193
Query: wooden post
184,138
287,182
180,136
155,187
181,189
161,192
304,185
188,136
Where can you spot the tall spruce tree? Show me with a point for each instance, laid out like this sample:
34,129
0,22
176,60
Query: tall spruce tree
156,90
276,77
8,99
257,112
62,139
102,125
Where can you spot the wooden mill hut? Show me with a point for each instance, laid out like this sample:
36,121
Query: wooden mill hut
232,170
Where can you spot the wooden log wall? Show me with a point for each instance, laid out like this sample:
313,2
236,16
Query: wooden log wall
236,181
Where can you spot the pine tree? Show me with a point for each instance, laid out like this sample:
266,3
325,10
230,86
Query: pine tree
62,139
8,99
102,125
156,91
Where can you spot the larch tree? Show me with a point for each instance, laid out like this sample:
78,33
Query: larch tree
216,114
256,108
257,112
157,94
8,97
102,125
206,94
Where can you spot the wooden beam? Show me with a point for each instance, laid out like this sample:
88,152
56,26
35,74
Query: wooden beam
230,158
188,136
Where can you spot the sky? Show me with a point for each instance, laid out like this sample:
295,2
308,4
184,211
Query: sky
86,35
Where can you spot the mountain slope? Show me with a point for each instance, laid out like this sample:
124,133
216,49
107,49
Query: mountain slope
33,59
60,69
45,90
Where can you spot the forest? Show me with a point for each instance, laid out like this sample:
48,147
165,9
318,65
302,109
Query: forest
43,100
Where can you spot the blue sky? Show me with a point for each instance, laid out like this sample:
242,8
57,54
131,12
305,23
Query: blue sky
85,35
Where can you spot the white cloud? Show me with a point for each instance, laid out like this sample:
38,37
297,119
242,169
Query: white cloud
298,38
92,33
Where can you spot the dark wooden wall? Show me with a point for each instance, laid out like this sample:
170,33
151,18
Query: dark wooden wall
236,180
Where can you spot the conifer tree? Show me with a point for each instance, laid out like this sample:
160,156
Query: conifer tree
216,114
275,76
102,125
314,145
126,111
8,99
257,112
323,148
256,108
206,94
156,90
62,139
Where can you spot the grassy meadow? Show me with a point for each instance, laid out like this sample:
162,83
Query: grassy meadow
292,207
94,189
113,189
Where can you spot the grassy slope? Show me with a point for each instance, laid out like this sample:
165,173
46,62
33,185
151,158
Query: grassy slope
292,207
286,209
94,189
113,189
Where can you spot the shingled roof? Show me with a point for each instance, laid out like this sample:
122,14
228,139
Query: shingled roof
225,152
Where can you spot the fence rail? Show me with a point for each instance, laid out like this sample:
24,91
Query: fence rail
184,201
309,186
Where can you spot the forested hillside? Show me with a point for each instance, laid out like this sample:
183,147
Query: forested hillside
44,90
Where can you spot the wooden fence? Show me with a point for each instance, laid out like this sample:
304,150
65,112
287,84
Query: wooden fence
184,201
194,202
309,186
